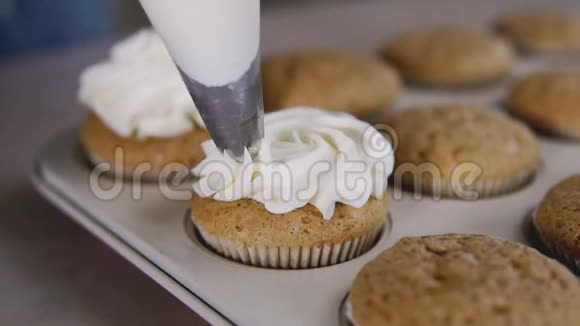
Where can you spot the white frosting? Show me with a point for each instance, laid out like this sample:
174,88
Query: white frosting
212,41
307,156
138,90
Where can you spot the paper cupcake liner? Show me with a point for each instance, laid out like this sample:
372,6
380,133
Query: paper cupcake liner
302,257
554,250
481,188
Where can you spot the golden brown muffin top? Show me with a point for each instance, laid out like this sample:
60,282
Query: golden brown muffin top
331,80
549,100
546,30
449,135
458,280
449,56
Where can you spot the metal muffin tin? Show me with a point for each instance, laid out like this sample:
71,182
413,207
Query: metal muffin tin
150,232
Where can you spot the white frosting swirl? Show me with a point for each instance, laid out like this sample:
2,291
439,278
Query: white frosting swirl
307,156
139,90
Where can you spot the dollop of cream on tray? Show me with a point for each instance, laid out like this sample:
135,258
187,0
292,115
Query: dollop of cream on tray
307,156
139,91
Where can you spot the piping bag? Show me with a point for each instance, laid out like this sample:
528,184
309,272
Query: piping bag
215,45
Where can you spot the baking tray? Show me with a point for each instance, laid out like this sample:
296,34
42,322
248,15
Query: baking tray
150,232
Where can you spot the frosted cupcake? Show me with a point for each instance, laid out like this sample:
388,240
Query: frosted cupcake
142,117
313,196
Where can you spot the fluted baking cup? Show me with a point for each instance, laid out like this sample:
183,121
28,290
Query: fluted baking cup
282,257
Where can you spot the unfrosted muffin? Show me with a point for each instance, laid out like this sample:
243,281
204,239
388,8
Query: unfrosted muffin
462,151
314,195
549,101
546,30
458,280
449,56
142,118
558,220
333,80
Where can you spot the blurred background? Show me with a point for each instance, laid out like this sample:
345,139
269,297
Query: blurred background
38,25
29,26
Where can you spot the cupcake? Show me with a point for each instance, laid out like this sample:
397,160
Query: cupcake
449,56
313,196
466,152
460,279
142,118
549,101
546,30
336,81
557,221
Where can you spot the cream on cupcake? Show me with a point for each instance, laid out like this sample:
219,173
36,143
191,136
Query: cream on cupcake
313,196
140,105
